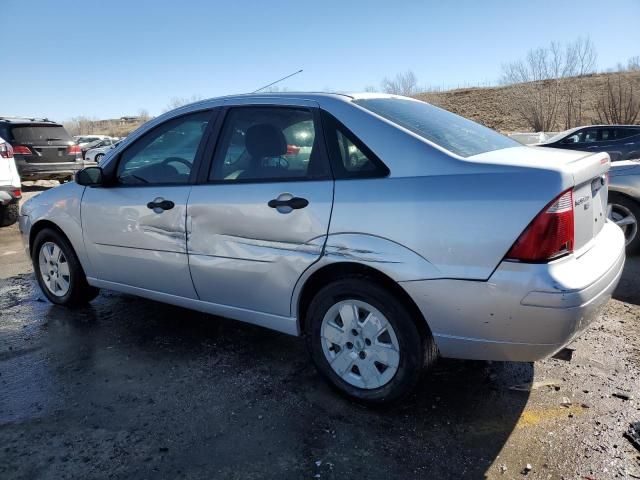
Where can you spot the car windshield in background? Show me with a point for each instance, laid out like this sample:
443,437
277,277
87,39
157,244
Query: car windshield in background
451,132
40,133
559,136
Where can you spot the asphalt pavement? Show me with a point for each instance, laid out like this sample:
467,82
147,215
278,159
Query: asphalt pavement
131,388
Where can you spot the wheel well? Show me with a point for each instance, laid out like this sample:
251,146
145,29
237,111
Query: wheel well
614,193
38,227
337,271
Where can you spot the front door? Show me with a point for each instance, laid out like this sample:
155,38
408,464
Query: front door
134,231
263,216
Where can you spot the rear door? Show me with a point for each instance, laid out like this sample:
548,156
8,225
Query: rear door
134,231
262,215
42,143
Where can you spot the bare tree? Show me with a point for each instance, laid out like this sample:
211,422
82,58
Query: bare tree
143,115
80,125
370,88
619,103
176,102
545,83
633,65
535,94
581,57
403,84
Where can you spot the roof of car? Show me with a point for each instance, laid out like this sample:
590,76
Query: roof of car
300,96
17,120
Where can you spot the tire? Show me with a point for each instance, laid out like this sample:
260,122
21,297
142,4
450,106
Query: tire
625,212
9,214
98,157
336,351
68,273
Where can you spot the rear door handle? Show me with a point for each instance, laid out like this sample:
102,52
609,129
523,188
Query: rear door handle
294,203
160,204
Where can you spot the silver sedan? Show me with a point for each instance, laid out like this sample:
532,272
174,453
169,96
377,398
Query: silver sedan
624,200
385,230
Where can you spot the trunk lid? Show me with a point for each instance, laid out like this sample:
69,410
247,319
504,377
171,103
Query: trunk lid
585,173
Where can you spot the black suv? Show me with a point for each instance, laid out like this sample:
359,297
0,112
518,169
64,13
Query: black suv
621,142
42,149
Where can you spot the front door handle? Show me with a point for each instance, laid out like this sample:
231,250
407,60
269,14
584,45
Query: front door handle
293,203
160,204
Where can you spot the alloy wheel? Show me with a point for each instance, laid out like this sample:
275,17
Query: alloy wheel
625,219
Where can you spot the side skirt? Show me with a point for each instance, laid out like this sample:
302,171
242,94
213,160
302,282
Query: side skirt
288,325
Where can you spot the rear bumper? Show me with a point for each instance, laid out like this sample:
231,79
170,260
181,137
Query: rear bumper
524,312
45,171
7,195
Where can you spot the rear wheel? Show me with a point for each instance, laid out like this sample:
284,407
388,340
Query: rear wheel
625,213
58,270
9,214
365,342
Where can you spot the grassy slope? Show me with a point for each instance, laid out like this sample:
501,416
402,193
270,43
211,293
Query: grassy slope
490,107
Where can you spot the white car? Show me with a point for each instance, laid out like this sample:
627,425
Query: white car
10,188
96,154
87,139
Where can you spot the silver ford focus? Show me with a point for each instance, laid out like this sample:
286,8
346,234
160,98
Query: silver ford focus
385,230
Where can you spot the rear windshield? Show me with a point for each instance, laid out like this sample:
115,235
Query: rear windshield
40,133
448,130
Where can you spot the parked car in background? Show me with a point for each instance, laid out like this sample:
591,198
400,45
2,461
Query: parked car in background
403,232
104,142
621,142
42,149
86,139
624,200
97,153
10,192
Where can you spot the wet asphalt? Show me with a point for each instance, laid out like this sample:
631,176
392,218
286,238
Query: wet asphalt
130,388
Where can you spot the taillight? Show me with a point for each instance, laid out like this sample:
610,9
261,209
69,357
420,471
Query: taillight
74,150
21,150
549,235
17,193
6,151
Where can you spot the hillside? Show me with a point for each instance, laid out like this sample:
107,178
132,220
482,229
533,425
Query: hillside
490,106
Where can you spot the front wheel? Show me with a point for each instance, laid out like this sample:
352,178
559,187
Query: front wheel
365,342
58,270
98,157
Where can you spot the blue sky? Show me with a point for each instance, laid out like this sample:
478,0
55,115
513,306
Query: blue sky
107,59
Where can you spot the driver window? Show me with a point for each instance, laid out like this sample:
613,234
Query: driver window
165,154
268,143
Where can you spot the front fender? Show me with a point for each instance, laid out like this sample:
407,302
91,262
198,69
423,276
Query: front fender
61,207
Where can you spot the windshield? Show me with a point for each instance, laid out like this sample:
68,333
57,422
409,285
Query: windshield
448,130
559,136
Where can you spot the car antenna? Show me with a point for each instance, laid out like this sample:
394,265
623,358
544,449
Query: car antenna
273,83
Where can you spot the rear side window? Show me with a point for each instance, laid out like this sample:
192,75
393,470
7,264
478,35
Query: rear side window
350,157
447,130
35,134
626,132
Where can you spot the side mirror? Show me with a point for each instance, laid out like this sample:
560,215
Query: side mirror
89,177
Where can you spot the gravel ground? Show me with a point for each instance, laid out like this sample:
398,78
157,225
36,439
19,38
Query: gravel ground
130,388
